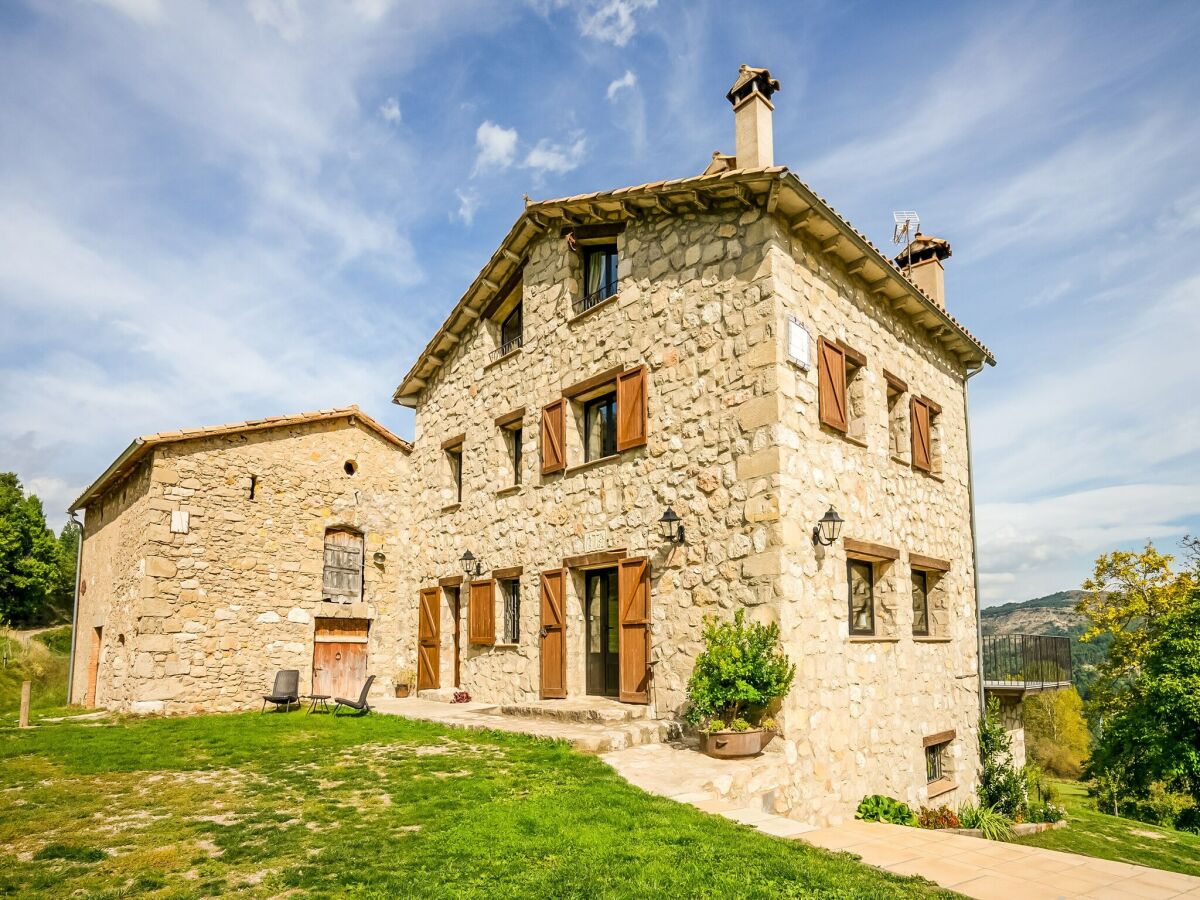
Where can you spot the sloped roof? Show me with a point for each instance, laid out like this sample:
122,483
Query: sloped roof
773,187
142,446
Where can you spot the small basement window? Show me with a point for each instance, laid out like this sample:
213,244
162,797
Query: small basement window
934,762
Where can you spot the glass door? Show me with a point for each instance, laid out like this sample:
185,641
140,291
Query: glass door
603,660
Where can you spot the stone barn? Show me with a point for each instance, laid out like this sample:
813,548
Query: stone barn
214,557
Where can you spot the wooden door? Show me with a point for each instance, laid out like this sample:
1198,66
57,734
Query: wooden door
93,668
342,577
429,637
633,602
554,635
340,657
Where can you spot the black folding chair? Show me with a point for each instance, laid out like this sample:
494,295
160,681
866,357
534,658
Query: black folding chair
286,690
360,704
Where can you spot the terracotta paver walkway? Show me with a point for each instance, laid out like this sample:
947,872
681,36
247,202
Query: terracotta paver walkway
988,869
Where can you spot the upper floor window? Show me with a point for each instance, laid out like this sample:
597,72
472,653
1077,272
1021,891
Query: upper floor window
342,576
898,442
599,273
600,427
511,332
515,438
841,385
454,465
860,576
925,417
920,602
504,318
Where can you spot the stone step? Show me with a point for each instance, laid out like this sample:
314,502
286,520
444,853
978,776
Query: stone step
622,737
605,713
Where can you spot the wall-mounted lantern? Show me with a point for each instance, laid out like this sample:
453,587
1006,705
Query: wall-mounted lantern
670,526
471,566
379,557
826,532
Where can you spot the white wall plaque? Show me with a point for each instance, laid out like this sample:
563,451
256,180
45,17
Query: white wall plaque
799,343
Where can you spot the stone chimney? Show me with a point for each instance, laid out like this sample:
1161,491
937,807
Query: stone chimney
751,99
925,268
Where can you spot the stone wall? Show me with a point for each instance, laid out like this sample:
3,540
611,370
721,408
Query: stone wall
1013,719
110,585
225,605
693,307
861,706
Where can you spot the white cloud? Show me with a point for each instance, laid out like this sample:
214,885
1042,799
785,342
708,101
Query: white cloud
612,21
282,15
468,202
144,12
628,80
557,158
390,110
497,147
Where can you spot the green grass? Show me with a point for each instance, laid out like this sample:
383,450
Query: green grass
34,662
56,640
1094,833
369,807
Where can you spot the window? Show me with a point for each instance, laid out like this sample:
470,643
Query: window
510,590
599,274
841,387
342,578
454,460
511,332
600,427
503,318
515,436
860,578
898,443
925,416
933,762
920,600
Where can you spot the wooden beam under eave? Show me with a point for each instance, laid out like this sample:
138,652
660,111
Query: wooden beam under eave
773,196
489,284
510,256
632,210
694,198
857,265
538,223
661,207
798,223
745,195
451,337
879,287
829,245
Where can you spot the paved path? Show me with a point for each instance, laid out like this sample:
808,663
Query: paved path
990,870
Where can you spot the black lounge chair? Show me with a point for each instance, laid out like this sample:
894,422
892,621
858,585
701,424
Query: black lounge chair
360,704
286,690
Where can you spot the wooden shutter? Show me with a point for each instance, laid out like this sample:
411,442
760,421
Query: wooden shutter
429,640
554,451
343,573
631,408
921,456
481,613
633,608
553,650
831,384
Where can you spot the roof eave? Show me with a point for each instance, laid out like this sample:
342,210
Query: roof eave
126,457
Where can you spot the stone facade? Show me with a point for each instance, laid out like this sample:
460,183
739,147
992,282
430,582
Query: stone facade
199,614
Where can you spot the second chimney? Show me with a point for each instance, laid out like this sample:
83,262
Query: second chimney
751,99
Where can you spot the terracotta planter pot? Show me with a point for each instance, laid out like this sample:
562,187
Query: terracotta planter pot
735,744
402,690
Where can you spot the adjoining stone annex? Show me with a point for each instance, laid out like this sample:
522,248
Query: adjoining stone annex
726,347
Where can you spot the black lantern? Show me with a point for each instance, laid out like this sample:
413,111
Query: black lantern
471,566
671,527
828,529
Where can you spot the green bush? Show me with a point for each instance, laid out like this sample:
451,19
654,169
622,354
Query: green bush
56,640
739,674
1044,811
942,817
878,808
1001,784
1161,806
993,823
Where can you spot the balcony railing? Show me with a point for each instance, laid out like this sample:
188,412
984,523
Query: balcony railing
507,347
595,298
1026,662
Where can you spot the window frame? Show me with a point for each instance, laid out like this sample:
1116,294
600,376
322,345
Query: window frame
610,251
608,439
516,453
455,459
516,338
510,623
923,574
851,564
935,763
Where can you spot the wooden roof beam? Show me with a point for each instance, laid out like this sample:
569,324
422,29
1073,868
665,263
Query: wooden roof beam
857,265
798,223
830,244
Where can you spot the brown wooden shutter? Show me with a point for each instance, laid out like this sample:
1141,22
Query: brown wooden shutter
554,450
482,612
429,640
631,408
921,456
831,384
553,651
633,608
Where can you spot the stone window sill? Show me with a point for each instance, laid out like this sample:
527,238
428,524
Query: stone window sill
450,507
873,639
901,460
592,463
502,646
941,786
510,490
931,475
591,309
509,355
845,436
931,639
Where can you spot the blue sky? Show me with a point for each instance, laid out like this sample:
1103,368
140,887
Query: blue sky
211,213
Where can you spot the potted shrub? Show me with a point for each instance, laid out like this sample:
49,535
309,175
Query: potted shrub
739,675
404,681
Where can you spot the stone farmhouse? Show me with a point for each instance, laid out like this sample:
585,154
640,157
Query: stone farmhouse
634,417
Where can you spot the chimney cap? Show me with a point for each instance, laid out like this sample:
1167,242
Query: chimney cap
749,81
924,247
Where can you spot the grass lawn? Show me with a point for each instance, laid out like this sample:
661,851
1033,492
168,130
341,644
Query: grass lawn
377,806
35,661
1093,833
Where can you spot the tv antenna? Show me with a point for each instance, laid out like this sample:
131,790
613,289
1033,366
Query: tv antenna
907,227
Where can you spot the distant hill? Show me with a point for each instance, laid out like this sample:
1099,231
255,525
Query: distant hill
1053,614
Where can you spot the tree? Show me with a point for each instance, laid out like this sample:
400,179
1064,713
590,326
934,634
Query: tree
29,554
64,584
1056,735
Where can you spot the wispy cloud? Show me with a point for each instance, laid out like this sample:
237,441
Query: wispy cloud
468,202
547,156
389,110
497,147
612,21
626,81
142,11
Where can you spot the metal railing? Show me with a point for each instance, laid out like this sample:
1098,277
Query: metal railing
507,347
1026,661
595,298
